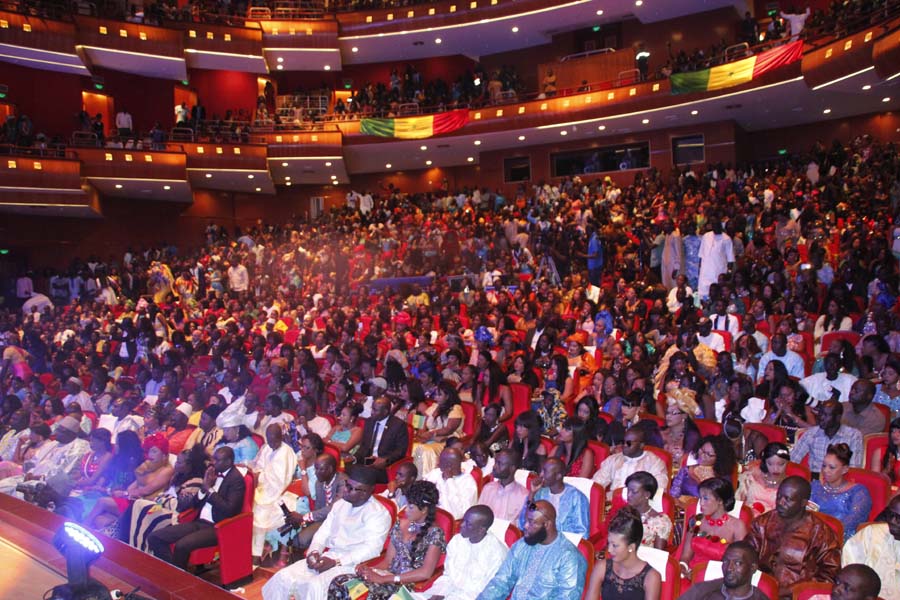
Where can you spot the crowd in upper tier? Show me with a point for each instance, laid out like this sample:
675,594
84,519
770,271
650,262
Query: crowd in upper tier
692,340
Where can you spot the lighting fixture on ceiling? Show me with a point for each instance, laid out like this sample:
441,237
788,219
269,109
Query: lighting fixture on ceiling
354,49
209,175
250,176
827,111
387,166
886,99
280,59
284,164
694,112
470,159
328,164
437,40
515,29
601,127
521,138
118,186
477,142
167,187
423,148
258,189
645,121
327,67
867,87
563,132
428,162
280,67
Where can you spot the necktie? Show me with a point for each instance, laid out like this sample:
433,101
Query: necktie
375,432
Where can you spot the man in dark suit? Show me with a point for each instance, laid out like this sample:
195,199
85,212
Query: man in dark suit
385,439
329,488
220,497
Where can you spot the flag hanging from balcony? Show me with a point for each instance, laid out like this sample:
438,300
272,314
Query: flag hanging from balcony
415,128
736,72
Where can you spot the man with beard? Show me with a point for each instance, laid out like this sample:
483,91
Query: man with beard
540,566
878,546
738,566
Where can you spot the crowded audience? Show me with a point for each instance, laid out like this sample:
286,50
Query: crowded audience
407,350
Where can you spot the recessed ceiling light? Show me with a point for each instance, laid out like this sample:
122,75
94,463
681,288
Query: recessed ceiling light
335,182
328,164
284,164
438,40
209,175
471,159
334,176
867,87
638,2
327,67
477,142
515,29
601,127
280,59
287,178
428,162
280,67
250,176
258,189
167,187
600,13
563,132
387,166
354,49
694,112
287,183
423,148
827,111
645,121
886,99
118,186
521,138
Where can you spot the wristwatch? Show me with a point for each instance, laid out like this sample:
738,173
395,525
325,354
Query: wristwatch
397,579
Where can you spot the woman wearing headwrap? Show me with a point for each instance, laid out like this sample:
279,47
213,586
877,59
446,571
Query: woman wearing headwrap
581,362
680,435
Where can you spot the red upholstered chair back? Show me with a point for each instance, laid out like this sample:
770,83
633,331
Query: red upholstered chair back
885,412
828,338
874,447
587,551
808,589
799,470
601,452
708,427
249,491
766,584
335,453
472,418
665,455
836,526
879,487
773,433
521,399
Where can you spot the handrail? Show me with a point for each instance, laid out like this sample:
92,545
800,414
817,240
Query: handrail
586,53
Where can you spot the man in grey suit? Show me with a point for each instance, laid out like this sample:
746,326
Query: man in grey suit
329,488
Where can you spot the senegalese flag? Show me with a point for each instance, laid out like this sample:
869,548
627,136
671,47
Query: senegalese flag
356,589
401,594
418,421
415,128
737,72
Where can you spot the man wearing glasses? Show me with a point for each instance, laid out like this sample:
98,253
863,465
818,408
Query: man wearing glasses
878,546
617,467
353,532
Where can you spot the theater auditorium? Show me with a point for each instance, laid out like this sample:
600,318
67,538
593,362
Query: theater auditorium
450,299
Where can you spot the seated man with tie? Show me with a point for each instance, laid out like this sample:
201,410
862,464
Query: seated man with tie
220,497
385,439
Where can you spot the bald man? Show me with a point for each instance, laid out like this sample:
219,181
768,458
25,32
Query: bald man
572,508
473,558
329,487
543,565
458,490
859,582
274,467
795,544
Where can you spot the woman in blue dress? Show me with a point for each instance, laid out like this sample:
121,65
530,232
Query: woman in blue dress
844,500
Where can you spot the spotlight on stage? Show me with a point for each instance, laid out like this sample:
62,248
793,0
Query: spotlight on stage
81,548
